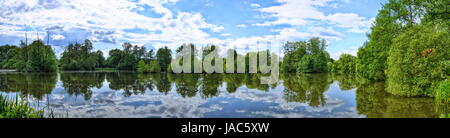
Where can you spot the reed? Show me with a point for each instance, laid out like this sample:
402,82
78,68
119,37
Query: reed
15,108
443,92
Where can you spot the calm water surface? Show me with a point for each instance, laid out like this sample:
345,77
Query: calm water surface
129,95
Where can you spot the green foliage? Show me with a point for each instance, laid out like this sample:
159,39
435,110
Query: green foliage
444,116
305,57
14,108
345,65
128,58
7,54
153,67
36,57
79,57
395,17
142,67
415,61
114,58
443,92
164,58
372,56
316,59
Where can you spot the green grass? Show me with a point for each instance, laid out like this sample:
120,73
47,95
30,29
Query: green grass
443,92
14,108
444,116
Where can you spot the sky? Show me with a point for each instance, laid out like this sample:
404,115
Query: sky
238,24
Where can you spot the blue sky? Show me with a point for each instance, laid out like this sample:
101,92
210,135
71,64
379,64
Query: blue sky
156,23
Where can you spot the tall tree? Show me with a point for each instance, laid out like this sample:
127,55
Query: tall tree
36,57
164,58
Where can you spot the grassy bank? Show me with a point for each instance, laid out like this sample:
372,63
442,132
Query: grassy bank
14,108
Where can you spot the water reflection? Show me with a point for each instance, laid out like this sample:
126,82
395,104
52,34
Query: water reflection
374,102
306,88
127,94
36,85
81,83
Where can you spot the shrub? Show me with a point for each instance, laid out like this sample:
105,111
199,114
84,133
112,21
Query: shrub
415,61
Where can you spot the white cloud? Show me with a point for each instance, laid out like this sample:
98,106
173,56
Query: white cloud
57,37
353,21
255,5
306,12
294,12
241,26
100,17
326,33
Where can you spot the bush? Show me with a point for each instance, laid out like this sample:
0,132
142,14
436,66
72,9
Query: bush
415,62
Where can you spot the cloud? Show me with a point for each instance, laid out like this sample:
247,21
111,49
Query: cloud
356,23
105,20
254,5
306,12
293,12
326,33
241,26
57,37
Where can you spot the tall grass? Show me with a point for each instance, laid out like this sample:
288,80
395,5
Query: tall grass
15,108
443,92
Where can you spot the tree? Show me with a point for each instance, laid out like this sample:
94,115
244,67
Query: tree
114,58
100,59
164,58
79,57
415,63
7,54
316,58
294,51
36,57
345,65
392,19
142,67
128,58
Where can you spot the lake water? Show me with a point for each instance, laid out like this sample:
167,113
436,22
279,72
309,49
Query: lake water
133,95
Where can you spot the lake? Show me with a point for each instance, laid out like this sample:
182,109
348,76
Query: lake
133,95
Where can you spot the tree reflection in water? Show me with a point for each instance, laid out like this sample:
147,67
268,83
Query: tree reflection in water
81,83
371,98
374,102
36,85
306,88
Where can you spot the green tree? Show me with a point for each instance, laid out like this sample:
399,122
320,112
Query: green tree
36,57
345,65
80,57
7,56
316,58
392,19
294,52
129,57
114,58
164,58
416,58
142,67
